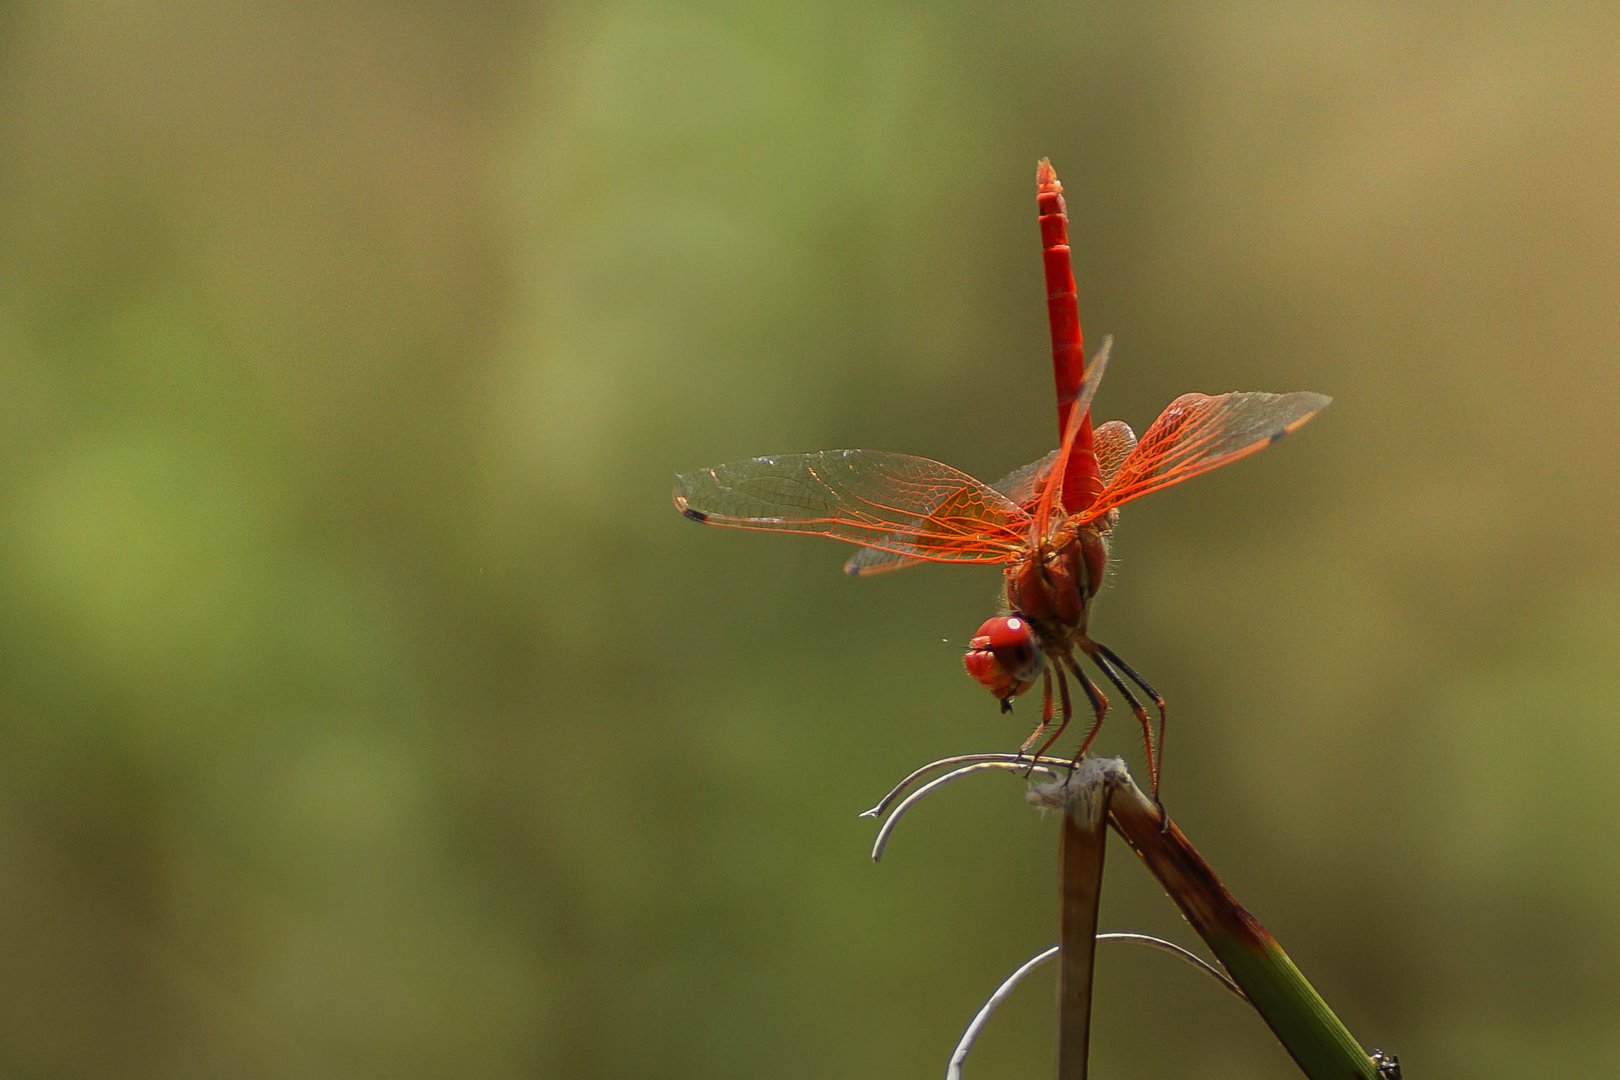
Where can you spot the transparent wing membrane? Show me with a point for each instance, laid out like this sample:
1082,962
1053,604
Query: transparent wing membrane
1113,443
901,509
1023,485
1197,433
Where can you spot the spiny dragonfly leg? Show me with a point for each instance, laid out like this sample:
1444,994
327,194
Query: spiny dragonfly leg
1046,711
1156,763
1091,650
1064,713
1099,704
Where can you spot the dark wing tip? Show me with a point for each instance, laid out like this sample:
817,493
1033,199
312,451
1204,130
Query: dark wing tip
682,505
1311,404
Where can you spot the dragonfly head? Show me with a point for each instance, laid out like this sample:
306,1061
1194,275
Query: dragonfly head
1005,657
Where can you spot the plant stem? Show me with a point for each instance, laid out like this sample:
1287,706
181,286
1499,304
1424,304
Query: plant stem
1084,840
1318,1042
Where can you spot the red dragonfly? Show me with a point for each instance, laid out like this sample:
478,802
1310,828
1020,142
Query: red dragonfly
1047,524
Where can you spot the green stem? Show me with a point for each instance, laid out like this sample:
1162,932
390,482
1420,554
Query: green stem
1318,1042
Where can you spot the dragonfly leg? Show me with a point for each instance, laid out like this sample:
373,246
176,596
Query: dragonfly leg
1155,750
1099,704
1063,716
1046,712
1136,710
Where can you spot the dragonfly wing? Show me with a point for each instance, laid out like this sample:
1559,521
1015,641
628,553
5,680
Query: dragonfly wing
1023,486
1113,442
1197,433
901,509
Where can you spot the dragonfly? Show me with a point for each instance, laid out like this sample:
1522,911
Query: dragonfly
1047,524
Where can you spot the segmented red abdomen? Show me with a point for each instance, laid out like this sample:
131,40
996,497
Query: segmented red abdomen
1082,481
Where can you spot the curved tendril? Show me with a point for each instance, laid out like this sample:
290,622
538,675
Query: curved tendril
1002,762
953,1071
1180,951
944,763
959,1057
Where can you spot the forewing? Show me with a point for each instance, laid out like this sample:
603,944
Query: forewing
1021,486
1114,442
901,509
1198,433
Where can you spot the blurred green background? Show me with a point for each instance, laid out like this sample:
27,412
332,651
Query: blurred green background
366,710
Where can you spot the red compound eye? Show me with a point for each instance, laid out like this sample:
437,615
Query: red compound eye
1004,656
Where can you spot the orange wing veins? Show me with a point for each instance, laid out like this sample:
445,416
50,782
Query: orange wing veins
900,509
1197,433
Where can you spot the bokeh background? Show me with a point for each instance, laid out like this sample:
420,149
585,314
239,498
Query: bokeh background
366,710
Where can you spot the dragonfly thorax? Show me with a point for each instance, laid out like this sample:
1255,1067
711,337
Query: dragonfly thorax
1053,582
1049,591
